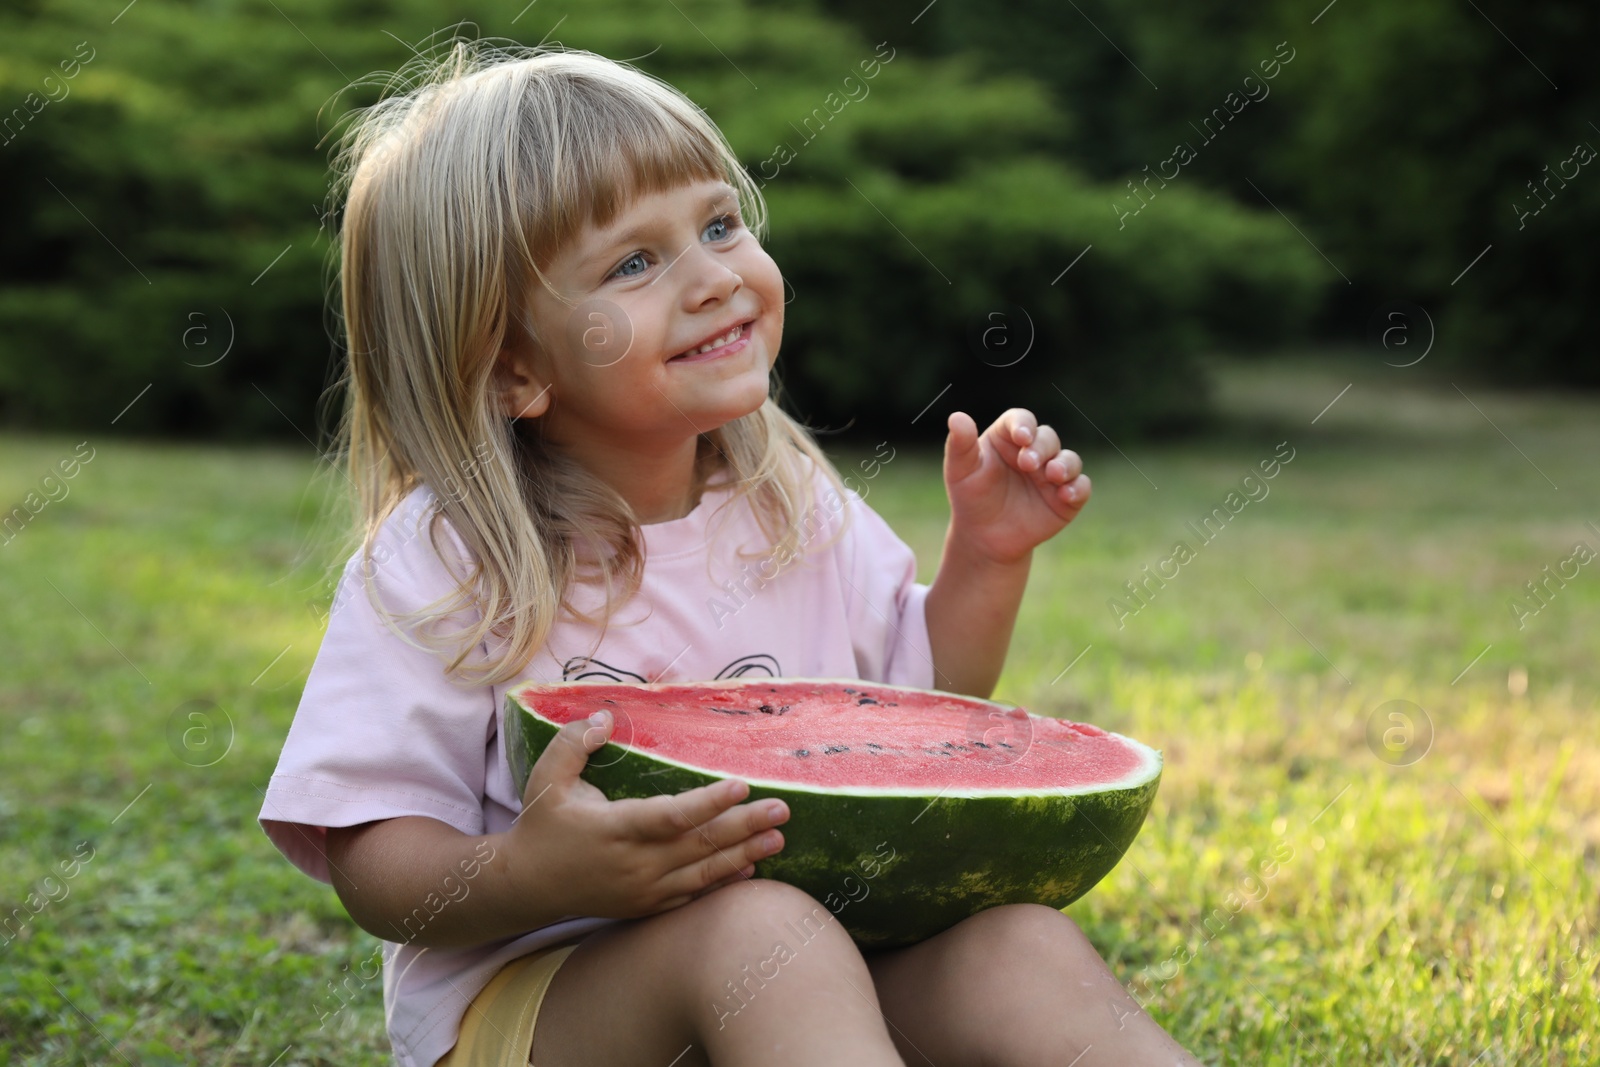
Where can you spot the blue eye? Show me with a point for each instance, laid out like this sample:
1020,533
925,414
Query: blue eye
621,273
728,224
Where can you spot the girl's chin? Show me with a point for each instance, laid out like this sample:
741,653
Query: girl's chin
737,411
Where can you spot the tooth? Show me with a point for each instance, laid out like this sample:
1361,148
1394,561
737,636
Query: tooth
726,339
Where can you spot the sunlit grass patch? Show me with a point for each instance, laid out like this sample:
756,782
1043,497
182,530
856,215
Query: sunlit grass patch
1318,882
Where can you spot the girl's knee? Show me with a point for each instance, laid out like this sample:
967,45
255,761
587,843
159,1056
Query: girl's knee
1013,934
1027,922
760,907
739,939
758,920
1021,920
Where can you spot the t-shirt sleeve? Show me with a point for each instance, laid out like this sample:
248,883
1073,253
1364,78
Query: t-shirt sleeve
884,602
380,731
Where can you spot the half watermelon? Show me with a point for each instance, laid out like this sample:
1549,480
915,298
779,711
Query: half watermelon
910,809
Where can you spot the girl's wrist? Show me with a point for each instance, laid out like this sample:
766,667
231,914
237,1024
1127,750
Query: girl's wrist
522,900
965,551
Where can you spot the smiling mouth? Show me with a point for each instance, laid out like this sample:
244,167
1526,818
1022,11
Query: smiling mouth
728,337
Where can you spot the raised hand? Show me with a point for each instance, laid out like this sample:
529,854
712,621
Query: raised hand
1011,488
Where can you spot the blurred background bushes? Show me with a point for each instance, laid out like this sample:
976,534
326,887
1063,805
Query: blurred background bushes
1403,139
166,200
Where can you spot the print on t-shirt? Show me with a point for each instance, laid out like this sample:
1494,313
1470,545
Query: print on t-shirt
582,668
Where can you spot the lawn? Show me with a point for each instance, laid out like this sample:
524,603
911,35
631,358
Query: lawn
1376,838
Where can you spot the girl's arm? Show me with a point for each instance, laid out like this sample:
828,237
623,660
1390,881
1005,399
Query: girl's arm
417,880
971,611
1011,489
408,880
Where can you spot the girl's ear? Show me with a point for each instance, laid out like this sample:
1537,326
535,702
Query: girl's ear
522,390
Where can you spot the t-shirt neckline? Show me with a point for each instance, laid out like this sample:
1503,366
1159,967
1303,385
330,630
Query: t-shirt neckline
681,535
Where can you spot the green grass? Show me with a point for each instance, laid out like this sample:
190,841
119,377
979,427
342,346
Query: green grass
1432,910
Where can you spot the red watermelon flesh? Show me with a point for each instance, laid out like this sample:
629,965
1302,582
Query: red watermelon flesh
822,734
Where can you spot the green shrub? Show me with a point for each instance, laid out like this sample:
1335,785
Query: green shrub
170,204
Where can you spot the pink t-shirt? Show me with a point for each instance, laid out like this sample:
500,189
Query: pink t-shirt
380,731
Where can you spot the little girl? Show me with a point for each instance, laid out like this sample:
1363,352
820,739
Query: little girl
566,454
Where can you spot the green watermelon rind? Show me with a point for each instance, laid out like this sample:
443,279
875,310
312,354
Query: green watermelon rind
881,861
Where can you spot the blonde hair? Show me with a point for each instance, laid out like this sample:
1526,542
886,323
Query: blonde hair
458,190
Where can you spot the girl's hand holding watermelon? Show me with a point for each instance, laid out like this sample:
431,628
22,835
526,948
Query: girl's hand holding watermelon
1011,488
570,852
628,858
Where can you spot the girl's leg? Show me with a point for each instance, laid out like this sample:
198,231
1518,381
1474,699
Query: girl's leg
755,973
1014,986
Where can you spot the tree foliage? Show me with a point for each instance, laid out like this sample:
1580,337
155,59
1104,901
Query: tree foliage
1403,140
167,209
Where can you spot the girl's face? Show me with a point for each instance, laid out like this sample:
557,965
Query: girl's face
622,371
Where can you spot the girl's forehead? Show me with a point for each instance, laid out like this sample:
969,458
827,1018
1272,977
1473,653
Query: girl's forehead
692,194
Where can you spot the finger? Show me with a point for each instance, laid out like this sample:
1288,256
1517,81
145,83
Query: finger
736,826
744,875
565,757
1017,426
961,453
1012,432
1065,467
1075,494
683,898
667,817
724,850
702,873
1038,455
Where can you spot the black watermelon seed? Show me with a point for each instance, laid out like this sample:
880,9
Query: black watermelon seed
865,700
765,709
852,692
802,752
730,711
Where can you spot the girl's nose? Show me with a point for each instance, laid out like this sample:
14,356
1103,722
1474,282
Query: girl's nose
711,278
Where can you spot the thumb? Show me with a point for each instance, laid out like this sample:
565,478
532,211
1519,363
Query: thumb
962,456
565,757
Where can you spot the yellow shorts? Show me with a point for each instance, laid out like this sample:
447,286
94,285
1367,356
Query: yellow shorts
497,1030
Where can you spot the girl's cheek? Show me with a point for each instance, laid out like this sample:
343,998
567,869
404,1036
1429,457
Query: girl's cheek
765,277
600,332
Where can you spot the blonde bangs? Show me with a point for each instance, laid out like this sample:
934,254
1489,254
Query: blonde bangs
614,154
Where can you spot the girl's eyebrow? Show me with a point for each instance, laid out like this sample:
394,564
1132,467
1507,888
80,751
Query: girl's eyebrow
601,253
